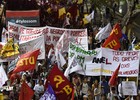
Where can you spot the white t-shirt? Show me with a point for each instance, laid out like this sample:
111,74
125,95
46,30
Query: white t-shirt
120,90
111,96
97,97
84,88
39,89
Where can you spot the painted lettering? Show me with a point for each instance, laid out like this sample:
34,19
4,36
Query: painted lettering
59,80
101,60
26,61
67,89
116,58
111,44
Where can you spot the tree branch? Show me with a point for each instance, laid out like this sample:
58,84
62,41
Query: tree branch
127,15
135,12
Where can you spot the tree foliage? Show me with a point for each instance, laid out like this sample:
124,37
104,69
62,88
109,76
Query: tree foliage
127,12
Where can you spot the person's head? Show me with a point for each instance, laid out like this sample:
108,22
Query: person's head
103,78
24,76
85,80
103,97
89,91
113,89
96,82
85,97
40,82
116,98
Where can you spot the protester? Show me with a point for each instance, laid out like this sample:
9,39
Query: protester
39,89
105,85
95,84
84,87
73,17
76,80
122,97
97,92
90,94
113,94
85,97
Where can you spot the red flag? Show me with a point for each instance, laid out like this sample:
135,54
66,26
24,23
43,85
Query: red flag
116,31
114,78
60,84
112,42
73,11
14,76
26,92
27,61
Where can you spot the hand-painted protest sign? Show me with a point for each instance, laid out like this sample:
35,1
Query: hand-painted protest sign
129,88
82,61
52,34
104,61
129,61
33,44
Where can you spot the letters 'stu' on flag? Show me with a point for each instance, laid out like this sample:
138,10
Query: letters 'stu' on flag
27,61
114,78
60,84
26,92
49,94
112,42
3,76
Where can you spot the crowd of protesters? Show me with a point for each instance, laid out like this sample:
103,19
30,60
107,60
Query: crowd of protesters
87,87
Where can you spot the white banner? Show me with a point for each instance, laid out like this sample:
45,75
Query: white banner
104,61
33,44
129,61
52,34
129,88
82,62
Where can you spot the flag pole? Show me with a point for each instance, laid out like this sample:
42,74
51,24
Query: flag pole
137,78
101,77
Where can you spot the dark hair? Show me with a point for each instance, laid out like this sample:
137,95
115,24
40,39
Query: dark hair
112,88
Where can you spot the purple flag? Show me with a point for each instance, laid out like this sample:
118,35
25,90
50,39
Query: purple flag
49,94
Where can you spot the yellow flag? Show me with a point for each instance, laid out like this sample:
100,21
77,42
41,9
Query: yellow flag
62,11
80,2
8,46
68,14
49,10
85,20
9,49
78,13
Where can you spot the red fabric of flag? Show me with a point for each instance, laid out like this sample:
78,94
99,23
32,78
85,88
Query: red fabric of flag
114,78
27,61
26,92
116,31
112,42
14,76
60,84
